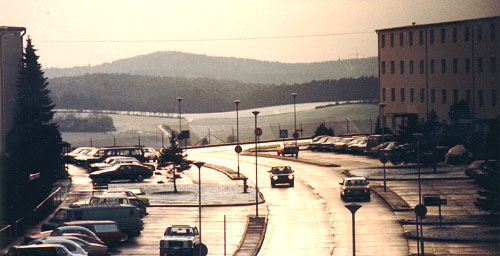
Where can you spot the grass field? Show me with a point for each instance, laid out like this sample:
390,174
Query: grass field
217,127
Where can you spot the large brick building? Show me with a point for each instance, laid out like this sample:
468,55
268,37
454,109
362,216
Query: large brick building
424,68
11,50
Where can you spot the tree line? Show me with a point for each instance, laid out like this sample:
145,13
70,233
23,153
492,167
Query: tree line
201,95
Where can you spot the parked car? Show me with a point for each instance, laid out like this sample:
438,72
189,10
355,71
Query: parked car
288,147
327,145
133,172
150,154
39,250
131,193
112,161
88,238
107,230
102,153
93,249
376,139
282,175
317,141
179,240
341,145
354,187
127,216
72,247
119,198
358,147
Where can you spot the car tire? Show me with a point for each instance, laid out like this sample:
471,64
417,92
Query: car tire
273,185
140,178
292,184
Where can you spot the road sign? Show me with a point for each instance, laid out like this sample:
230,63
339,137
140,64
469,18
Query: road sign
383,158
295,135
185,134
420,210
200,248
258,131
283,134
237,149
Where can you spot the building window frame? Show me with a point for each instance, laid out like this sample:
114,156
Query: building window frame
393,94
401,67
443,96
433,96
392,67
382,40
431,36
401,39
391,39
412,95
480,65
493,64
410,38
454,34
443,66
422,95
493,98
432,66
455,96
467,96
411,67
443,35
421,64
420,37
480,98
382,64
479,32
455,66
402,92
466,34
492,31
467,65
383,94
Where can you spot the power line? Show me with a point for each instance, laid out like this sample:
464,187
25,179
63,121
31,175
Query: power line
204,39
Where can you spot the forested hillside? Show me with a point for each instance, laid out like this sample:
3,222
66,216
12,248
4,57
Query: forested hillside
158,94
178,64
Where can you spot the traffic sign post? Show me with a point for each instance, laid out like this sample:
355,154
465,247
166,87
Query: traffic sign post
258,132
435,200
283,134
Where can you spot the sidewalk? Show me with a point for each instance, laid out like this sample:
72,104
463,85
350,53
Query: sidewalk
464,229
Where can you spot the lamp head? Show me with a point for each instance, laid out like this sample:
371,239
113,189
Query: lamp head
236,102
179,98
199,164
255,113
382,105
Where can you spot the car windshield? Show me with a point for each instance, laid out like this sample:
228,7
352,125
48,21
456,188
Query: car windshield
281,169
180,231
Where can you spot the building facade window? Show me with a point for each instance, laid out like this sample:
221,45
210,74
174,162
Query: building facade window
479,32
443,35
402,67
480,65
410,38
432,66
401,40
454,34
431,36
480,99
422,95
467,65
433,96
492,31
467,34
455,96
383,94
411,67
467,96
382,67
493,98
421,64
443,96
420,37
393,94
392,67
443,66
412,95
391,39
455,66
382,40
402,94
493,63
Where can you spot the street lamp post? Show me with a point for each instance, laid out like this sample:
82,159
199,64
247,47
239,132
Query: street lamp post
199,164
179,99
295,134
353,207
237,103
255,113
382,119
417,137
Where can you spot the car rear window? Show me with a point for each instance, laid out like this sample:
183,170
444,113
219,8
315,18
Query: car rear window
105,228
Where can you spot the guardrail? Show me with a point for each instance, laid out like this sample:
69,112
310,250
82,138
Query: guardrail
9,232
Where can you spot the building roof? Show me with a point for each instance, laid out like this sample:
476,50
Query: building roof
420,26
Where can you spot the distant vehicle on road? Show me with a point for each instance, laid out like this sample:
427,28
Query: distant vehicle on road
282,175
288,147
354,187
179,240
132,172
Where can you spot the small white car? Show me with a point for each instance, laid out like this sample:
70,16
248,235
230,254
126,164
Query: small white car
179,240
355,187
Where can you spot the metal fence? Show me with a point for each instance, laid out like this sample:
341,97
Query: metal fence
11,231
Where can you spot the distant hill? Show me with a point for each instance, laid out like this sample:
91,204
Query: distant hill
179,64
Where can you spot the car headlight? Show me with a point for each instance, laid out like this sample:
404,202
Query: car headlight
275,177
290,177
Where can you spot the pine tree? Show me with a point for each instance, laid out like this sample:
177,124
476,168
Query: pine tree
34,144
174,155
323,130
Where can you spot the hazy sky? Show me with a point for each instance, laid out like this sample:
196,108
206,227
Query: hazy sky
90,32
